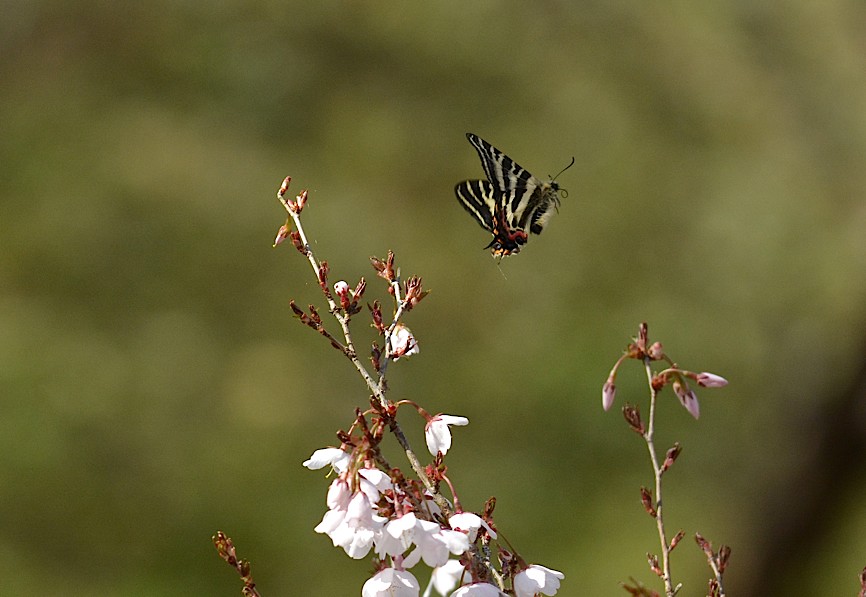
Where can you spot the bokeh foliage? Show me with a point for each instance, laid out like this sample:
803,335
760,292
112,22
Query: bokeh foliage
155,388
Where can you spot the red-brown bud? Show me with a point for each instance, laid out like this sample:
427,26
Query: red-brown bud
376,311
324,269
725,555
646,498
284,187
296,240
653,562
414,293
671,456
282,233
632,417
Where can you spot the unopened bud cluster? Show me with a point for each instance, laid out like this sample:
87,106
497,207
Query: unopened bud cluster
640,349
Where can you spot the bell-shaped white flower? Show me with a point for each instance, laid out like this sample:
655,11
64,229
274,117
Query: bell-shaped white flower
447,576
537,579
337,458
391,583
478,589
438,433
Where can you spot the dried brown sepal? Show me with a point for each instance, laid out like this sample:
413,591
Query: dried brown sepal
345,438
658,382
653,561
283,233
324,269
487,511
297,242
646,498
676,540
637,589
376,311
314,315
713,588
299,313
509,563
385,269
725,554
354,307
414,293
642,336
632,417
671,456
704,545
376,357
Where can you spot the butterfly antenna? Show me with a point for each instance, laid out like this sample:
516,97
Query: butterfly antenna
564,169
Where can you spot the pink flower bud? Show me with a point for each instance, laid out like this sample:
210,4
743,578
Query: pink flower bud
687,398
282,234
342,290
711,380
284,187
608,393
656,351
302,200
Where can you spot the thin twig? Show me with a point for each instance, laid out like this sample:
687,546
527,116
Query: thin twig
379,388
226,550
657,471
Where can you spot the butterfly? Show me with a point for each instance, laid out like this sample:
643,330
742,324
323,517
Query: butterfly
510,202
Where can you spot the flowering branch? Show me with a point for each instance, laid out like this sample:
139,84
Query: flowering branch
640,349
371,504
398,340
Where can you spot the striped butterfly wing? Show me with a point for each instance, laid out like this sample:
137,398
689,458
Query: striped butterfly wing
509,202
480,199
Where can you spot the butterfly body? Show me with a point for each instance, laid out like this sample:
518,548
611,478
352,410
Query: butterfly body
511,203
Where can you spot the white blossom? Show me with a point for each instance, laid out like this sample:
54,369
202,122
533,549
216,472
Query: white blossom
337,458
397,536
438,433
353,525
537,579
403,343
391,583
478,589
447,576
469,523
433,544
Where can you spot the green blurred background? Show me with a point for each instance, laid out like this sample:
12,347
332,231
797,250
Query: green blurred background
155,388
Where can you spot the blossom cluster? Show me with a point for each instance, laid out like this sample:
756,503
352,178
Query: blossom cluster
370,510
